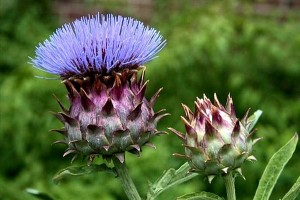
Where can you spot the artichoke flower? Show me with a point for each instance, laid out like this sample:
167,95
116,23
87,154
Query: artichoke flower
216,141
99,59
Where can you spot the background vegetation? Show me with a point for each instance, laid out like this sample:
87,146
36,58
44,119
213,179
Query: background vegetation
215,47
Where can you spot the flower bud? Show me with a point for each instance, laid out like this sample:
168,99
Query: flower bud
216,141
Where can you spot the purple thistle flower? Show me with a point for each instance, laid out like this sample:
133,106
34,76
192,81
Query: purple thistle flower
98,44
98,58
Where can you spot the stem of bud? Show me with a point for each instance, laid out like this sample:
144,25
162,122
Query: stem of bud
230,187
126,181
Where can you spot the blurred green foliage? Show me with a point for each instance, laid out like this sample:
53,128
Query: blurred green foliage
211,48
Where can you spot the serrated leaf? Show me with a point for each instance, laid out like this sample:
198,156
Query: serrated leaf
293,192
200,196
169,179
38,194
252,120
81,170
274,169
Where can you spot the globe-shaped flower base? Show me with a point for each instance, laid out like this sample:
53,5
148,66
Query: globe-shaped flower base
109,115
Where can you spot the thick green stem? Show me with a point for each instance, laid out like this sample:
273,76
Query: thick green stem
126,181
229,184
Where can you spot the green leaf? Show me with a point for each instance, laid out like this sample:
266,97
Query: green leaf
38,194
252,120
293,192
81,170
274,169
200,196
168,179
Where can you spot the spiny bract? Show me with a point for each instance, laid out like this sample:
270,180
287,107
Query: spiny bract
108,115
215,142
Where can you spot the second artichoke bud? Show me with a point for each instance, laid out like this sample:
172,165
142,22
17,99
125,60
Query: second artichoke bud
216,141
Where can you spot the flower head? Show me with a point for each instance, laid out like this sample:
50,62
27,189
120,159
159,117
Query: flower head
99,58
98,44
216,142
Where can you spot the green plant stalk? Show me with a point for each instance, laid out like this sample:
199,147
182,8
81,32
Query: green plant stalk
126,181
230,187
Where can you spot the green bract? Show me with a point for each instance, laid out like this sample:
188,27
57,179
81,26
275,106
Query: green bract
216,142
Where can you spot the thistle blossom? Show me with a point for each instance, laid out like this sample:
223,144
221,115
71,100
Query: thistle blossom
98,44
98,58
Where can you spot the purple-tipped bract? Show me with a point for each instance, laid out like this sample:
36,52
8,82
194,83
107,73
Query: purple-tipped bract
98,44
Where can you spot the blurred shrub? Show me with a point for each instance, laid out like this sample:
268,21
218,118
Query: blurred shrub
210,49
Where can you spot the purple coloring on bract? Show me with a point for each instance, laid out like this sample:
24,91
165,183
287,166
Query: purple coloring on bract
98,44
